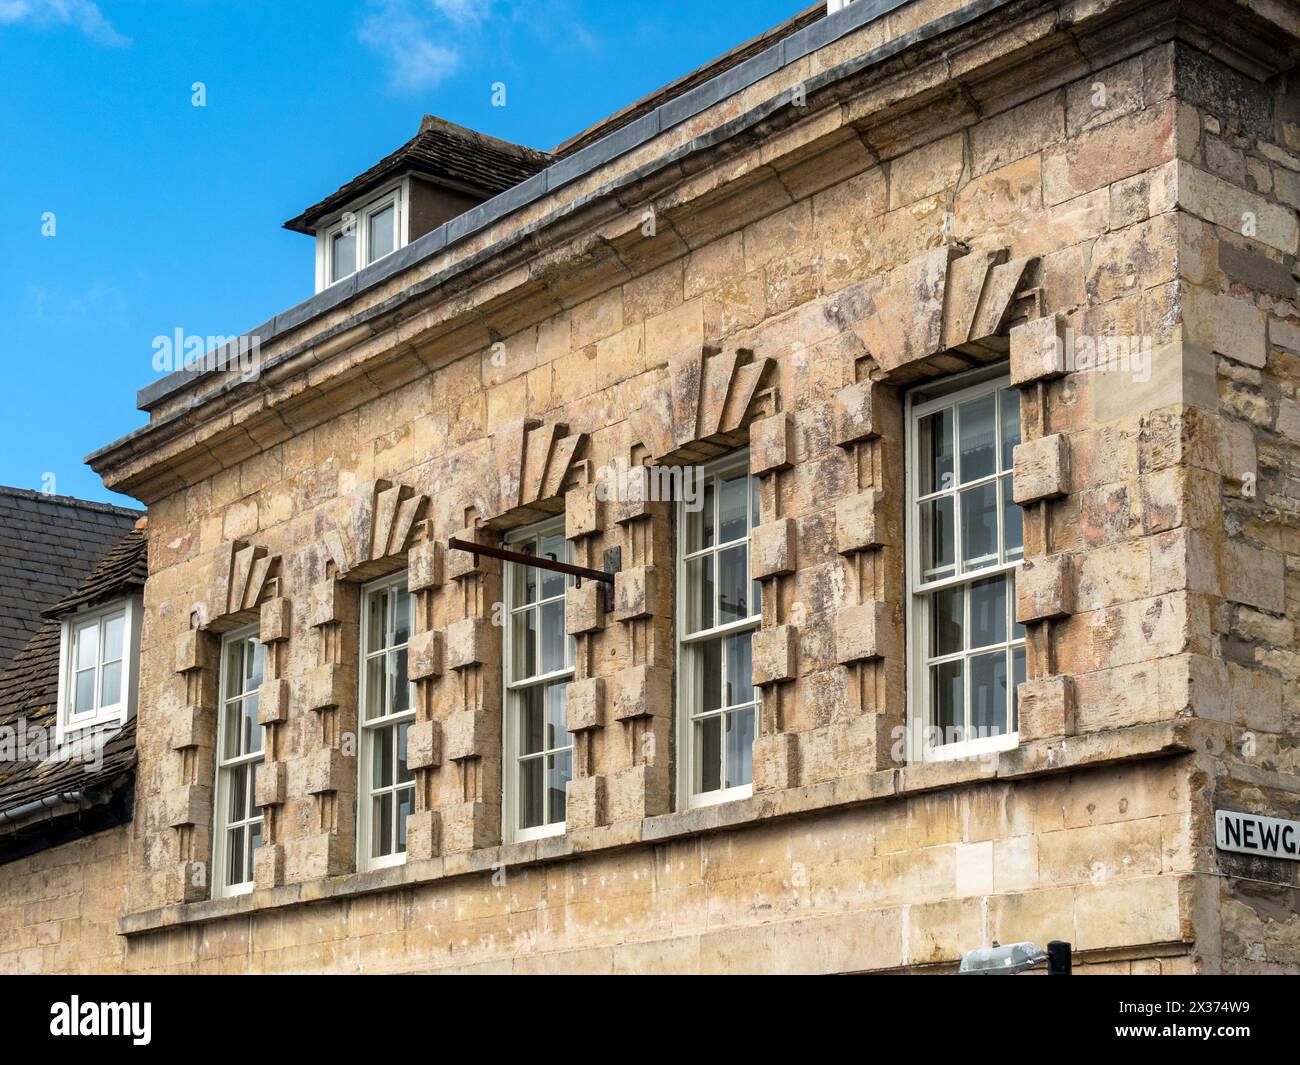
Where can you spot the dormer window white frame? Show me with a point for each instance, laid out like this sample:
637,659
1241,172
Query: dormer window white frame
361,235
99,668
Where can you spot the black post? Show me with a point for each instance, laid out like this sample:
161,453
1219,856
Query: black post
1059,962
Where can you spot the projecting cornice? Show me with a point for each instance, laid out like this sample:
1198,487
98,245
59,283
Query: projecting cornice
509,264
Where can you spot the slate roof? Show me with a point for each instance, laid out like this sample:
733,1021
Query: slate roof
48,544
444,153
29,694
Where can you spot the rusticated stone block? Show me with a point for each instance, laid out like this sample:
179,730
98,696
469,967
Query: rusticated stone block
330,685
462,564
636,593
329,769
773,551
191,882
268,866
276,622
859,522
469,734
1038,350
273,702
272,784
584,512
195,649
853,417
1255,576
1042,469
644,497
467,643
426,567
776,762
1045,589
584,608
467,826
638,792
1047,708
863,633
193,726
775,655
425,655
585,705
641,691
423,835
586,803
189,804
333,601
771,444
424,745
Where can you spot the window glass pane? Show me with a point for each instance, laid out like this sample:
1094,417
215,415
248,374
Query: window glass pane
113,629
253,771
946,692
381,826
979,526
733,508
531,814
1013,522
699,522
233,731
381,758
404,775
1017,629
754,499
1009,406
254,841
699,594
988,612
383,232
710,686
1017,679
945,622
740,748
937,531
401,698
376,686
740,670
405,807
554,639
343,257
401,617
252,730
238,807
87,645
256,656
110,684
978,438
376,621
708,754
988,695
84,699
524,644
532,721
557,731
936,470
525,579
733,567
554,550
559,770
235,861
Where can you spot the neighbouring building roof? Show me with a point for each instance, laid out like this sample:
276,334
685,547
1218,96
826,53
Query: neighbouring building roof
48,544
29,689
444,153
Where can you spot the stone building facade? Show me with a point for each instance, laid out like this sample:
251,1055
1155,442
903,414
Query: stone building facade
1069,226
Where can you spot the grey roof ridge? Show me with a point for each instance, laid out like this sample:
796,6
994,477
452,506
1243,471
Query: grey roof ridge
572,167
71,501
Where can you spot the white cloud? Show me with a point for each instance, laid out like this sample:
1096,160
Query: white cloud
406,40
463,11
83,15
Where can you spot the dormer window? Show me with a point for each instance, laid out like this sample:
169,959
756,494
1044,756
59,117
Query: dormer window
98,655
358,238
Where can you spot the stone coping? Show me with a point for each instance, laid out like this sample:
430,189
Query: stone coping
1035,759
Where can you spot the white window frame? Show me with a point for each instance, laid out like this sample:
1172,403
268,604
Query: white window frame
512,689
71,726
366,729
959,389
685,714
397,196
221,822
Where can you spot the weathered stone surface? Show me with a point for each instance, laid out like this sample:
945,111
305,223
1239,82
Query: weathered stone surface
863,633
586,803
195,650
584,609
584,512
426,654
640,691
775,655
276,622
853,415
636,593
427,567
860,522
330,770
585,705
1045,589
1042,469
333,601
272,784
1047,709
468,734
330,685
1038,350
424,745
467,643
273,702
771,444
773,551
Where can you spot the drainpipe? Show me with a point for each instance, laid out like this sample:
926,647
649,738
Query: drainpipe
27,810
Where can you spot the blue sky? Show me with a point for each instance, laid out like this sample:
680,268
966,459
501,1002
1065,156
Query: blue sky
167,216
